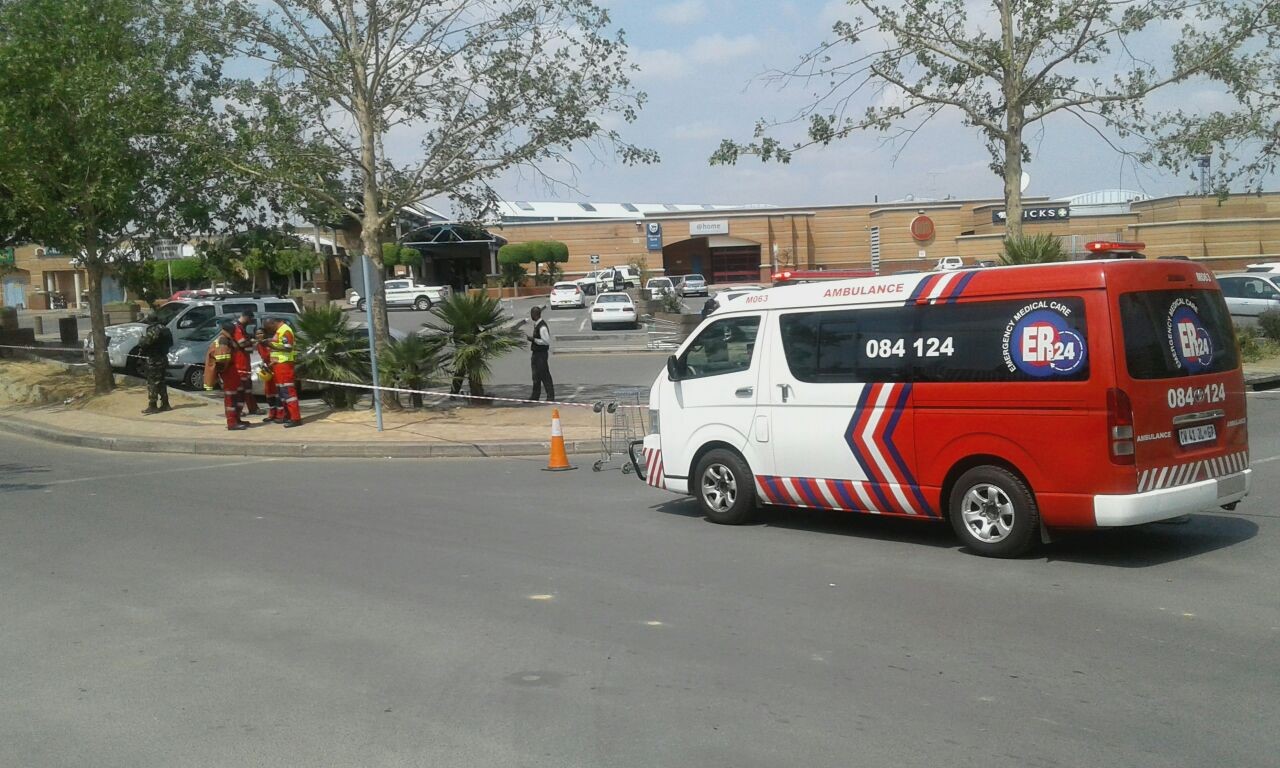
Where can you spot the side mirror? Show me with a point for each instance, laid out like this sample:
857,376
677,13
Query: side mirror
673,368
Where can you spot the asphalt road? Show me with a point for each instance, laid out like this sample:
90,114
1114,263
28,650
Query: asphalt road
485,613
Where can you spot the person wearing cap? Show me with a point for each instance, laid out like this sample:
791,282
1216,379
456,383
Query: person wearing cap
242,335
154,348
540,345
219,368
283,356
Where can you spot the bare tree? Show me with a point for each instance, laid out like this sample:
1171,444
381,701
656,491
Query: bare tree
1012,66
371,105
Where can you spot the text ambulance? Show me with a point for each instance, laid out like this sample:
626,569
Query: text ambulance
1011,401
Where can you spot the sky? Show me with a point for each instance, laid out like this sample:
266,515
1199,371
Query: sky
700,63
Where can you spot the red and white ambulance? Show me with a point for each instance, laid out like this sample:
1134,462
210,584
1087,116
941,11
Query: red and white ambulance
1010,401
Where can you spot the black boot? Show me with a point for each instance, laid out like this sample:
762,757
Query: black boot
150,410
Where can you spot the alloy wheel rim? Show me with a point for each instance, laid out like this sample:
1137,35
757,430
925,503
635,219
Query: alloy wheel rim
988,513
719,487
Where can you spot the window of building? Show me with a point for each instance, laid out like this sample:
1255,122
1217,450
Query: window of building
630,207
522,205
670,207
586,206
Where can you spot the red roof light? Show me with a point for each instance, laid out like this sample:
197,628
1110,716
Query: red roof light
1100,246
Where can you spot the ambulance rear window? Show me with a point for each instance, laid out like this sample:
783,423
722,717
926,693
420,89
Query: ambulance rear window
1178,333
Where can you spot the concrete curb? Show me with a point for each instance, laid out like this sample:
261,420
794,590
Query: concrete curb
328,450
1262,382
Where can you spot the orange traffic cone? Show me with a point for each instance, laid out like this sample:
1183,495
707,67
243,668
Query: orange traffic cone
559,460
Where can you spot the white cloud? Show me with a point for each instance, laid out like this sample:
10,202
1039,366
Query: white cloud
660,64
699,130
681,13
715,49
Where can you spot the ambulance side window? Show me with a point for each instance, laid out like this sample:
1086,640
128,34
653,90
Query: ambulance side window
725,346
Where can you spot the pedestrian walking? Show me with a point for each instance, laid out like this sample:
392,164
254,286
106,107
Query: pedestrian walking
241,357
540,346
283,356
275,414
154,347
220,369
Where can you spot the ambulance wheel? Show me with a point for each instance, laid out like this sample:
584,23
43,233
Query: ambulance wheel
993,512
724,488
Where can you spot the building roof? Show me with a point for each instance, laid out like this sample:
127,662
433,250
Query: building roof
524,210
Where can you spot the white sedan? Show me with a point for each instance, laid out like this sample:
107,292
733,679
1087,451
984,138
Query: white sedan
613,309
660,286
567,295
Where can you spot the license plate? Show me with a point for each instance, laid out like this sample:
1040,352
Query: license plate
1205,433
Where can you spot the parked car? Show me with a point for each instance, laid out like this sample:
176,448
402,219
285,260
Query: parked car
590,283
186,358
181,316
613,308
567,294
1249,294
947,263
692,285
1268,266
612,276
660,286
406,293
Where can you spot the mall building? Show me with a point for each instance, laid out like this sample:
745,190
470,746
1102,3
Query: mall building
748,244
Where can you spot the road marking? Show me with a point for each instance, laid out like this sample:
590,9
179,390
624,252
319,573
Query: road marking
653,623
153,472
1267,460
540,597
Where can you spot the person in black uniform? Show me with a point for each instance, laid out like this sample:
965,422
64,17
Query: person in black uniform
540,344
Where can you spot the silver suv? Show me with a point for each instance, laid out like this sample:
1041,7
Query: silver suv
181,316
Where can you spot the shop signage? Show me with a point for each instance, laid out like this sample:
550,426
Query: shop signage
654,232
922,229
1036,213
704,228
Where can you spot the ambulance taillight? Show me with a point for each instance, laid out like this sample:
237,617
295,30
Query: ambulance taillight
1120,426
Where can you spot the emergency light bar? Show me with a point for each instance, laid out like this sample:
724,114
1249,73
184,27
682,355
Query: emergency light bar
1106,249
1106,246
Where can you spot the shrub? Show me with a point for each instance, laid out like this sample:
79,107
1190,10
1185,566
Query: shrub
1038,249
474,328
1269,323
671,303
331,350
411,363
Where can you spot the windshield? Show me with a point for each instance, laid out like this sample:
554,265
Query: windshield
1178,333
566,286
171,310
661,282
694,279
614,298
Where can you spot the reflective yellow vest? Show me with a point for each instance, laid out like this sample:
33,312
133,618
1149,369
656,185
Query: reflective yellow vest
282,345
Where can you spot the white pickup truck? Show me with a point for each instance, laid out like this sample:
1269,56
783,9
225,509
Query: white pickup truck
406,293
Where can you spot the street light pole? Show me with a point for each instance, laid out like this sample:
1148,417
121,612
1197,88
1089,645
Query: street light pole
373,348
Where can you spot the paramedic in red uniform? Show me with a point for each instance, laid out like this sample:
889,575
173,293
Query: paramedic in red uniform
283,356
220,368
274,412
242,335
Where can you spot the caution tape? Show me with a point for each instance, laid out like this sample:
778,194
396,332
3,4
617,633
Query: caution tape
460,396
398,390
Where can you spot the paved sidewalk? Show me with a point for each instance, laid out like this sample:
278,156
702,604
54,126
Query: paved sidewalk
196,426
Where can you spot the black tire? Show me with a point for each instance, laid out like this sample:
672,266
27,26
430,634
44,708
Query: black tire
194,377
360,305
724,487
1000,518
422,304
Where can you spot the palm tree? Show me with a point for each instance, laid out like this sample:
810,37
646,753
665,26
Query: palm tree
329,348
411,363
1038,249
473,328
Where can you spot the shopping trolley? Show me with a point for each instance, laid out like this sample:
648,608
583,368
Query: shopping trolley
621,423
